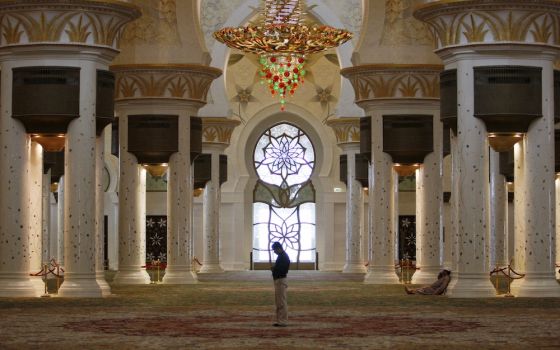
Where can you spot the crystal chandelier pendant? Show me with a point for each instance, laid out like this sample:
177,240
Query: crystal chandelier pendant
282,42
283,74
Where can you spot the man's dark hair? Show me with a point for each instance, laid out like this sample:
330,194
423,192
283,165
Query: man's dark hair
276,245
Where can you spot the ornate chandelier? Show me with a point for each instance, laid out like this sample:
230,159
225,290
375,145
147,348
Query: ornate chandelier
282,41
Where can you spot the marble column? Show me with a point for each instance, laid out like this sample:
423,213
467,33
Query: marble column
179,208
354,212
472,194
498,202
132,213
453,234
211,213
14,198
100,217
46,216
535,240
35,214
60,221
557,188
429,200
80,193
381,268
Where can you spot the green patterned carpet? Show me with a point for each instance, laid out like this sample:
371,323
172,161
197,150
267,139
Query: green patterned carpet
235,311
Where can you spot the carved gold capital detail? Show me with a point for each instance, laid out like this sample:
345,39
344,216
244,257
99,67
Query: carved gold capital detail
148,81
457,23
347,130
83,22
394,81
218,130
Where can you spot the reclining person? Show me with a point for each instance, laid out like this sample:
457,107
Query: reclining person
437,288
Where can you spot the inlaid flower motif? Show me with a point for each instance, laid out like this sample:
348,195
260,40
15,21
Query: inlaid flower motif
284,156
287,235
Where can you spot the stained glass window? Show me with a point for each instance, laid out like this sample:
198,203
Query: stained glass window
284,196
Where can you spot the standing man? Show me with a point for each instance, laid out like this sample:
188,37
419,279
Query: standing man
279,273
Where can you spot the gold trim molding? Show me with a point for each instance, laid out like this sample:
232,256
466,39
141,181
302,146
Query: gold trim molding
347,130
393,81
148,81
218,130
468,22
83,22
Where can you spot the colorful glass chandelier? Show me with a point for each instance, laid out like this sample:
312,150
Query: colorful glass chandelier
282,41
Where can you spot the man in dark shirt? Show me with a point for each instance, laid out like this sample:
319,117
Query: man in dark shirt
279,273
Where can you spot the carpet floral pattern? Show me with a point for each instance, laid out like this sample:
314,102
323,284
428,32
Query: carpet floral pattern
335,314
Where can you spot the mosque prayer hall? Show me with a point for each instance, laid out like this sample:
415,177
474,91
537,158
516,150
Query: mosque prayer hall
405,154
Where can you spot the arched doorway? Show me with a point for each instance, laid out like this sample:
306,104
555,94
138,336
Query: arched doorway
284,196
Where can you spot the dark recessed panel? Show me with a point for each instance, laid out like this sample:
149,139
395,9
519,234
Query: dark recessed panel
202,170
365,137
448,98
54,161
343,162
557,151
507,165
46,99
115,138
507,98
196,137
408,138
223,168
153,138
362,170
105,105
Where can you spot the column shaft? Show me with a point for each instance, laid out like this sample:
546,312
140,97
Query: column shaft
60,221
35,214
381,268
536,240
211,219
132,214
14,201
79,206
100,217
472,194
179,208
498,201
354,217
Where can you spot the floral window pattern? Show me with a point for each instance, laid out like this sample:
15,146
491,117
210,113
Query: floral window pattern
284,196
156,238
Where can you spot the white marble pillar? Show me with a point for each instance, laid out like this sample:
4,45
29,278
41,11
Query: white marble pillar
557,188
35,199
472,194
132,214
60,221
510,253
498,202
211,213
179,209
381,268
53,227
453,234
518,255
537,237
395,215
429,178
354,212
80,190
46,216
100,217
14,204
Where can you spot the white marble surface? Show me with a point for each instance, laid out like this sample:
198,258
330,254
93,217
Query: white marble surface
99,218
354,214
80,189
472,194
14,201
211,215
381,268
498,202
132,214
179,208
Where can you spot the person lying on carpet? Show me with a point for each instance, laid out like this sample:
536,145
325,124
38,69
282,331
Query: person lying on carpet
437,288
